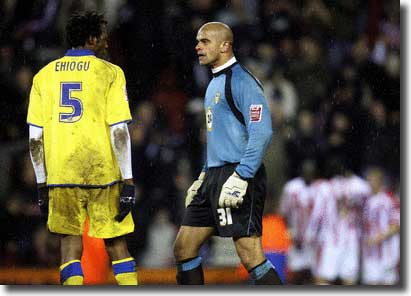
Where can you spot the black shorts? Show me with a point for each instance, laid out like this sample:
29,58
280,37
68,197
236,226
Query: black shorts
204,211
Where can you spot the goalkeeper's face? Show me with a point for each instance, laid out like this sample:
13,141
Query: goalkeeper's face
208,48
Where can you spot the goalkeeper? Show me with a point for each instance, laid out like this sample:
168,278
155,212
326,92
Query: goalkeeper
80,149
228,198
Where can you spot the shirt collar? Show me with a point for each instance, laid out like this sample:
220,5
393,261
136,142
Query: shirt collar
224,66
79,52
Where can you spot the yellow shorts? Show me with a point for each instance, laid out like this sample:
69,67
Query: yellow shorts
69,207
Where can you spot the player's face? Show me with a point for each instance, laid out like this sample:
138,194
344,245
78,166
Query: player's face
208,48
376,181
101,45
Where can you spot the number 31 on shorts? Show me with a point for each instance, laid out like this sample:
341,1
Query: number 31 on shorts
224,214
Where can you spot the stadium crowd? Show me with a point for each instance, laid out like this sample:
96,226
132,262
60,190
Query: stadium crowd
330,71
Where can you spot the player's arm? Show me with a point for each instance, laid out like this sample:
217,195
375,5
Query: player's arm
381,237
36,146
248,96
284,207
35,119
121,143
250,99
394,226
117,116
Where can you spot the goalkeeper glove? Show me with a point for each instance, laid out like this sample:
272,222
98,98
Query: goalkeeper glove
127,201
232,192
192,191
43,200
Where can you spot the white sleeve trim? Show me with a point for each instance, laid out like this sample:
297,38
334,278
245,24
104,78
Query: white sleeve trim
36,133
122,150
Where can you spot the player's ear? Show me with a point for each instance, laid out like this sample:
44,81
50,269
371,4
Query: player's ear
225,46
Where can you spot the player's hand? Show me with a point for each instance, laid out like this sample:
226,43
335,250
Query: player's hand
376,240
192,191
43,200
127,201
233,191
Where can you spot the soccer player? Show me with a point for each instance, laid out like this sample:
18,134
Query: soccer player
321,231
296,206
228,198
81,151
340,211
350,202
381,243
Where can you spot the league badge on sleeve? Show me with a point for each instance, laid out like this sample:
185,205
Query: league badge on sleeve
256,111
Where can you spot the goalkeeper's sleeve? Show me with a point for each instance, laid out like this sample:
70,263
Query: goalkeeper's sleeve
36,145
121,143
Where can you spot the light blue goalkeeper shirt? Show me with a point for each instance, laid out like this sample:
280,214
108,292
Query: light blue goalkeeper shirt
229,140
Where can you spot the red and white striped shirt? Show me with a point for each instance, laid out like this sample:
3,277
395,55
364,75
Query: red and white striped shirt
381,212
296,206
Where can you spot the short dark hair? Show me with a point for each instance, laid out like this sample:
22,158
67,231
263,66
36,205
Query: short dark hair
81,26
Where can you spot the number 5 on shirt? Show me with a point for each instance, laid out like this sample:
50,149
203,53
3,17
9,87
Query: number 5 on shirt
67,100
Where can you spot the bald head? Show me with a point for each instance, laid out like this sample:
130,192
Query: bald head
221,31
215,44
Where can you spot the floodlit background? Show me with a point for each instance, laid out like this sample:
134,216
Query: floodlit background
330,71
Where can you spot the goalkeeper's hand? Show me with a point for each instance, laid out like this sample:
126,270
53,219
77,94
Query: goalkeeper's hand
127,201
232,192
43,200
192,191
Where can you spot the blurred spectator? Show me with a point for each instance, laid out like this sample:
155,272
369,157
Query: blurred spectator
390,24
195,135
285,93
161,235
378,143
223,252
303,143
170,100
344,32
317,18
309,73
21,217
345,128
240,16
280,19
155,152
275,159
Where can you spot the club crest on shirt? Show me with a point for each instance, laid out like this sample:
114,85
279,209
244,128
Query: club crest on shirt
209,119
256,112
217,97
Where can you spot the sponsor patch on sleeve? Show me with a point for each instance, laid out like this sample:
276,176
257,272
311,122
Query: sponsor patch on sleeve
256,111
